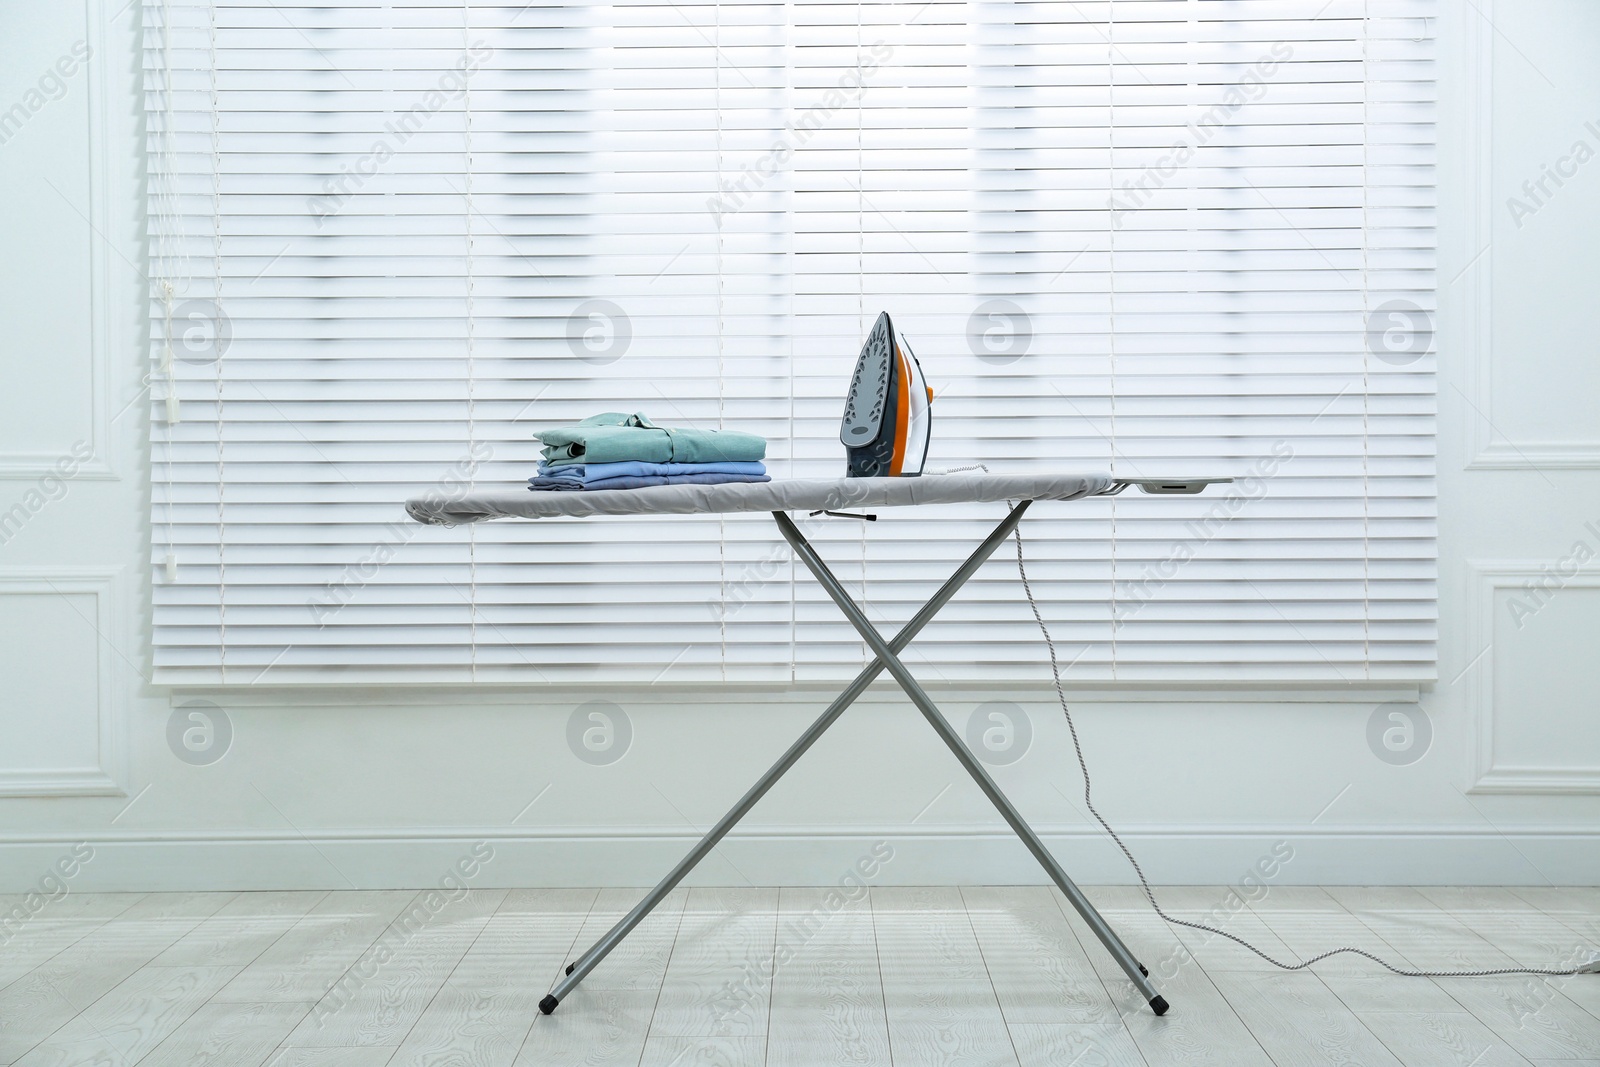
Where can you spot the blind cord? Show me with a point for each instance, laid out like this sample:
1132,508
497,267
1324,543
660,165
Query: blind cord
861,260
722,520
472,378
1111,287
216,340
173,269
1077,747
1366,366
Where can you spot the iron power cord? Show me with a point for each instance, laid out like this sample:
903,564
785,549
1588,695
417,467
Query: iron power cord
1592,967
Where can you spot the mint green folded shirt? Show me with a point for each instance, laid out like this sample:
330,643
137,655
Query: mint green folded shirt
618,438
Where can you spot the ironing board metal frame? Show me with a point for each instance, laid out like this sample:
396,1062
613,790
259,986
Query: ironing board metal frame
886,653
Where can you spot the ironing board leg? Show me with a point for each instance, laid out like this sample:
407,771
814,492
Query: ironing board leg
586,963
887,656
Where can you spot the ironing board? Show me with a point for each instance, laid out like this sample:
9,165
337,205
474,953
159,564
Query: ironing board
830,495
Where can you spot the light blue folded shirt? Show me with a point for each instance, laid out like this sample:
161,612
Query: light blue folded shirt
615,438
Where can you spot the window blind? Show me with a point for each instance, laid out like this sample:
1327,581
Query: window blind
391,240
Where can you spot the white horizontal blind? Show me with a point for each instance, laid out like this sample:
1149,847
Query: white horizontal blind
389,240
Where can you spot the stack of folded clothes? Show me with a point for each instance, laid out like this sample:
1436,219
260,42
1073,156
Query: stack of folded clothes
615,451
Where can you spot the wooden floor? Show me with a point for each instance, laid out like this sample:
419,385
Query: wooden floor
900,976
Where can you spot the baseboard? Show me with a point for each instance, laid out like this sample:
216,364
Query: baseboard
355,859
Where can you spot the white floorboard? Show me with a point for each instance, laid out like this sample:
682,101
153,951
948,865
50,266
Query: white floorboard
753,977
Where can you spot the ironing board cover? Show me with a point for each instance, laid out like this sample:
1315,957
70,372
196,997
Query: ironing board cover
831,494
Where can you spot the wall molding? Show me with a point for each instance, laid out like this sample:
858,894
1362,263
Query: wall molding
97,72
1487,451
1530,455
108,776
1485,577
143,861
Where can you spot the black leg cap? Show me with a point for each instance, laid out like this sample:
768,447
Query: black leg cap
570,966
1157,1005
548,1005
1144,970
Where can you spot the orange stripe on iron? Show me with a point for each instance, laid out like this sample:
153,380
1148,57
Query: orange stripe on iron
902,416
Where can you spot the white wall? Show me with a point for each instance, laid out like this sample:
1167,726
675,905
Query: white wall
387,788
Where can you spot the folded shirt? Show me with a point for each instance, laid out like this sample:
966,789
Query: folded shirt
582,474
617,438
567,485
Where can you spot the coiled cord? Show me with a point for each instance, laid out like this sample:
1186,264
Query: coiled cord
1083,766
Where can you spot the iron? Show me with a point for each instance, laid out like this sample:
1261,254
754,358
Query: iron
888,415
